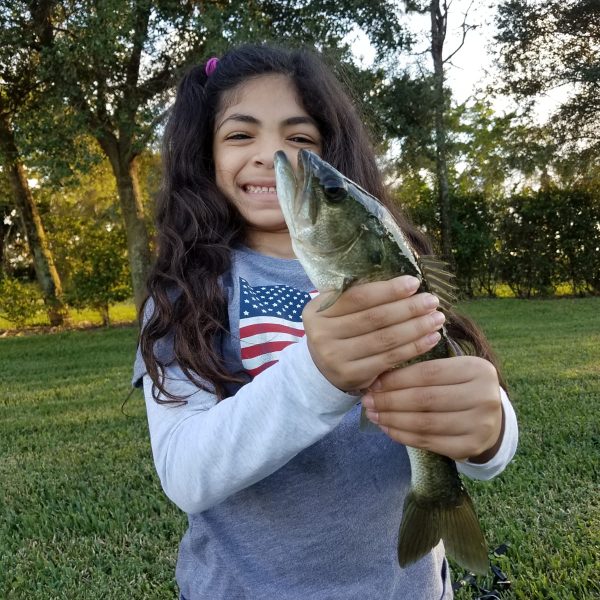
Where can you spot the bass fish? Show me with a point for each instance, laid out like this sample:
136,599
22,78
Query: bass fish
344,236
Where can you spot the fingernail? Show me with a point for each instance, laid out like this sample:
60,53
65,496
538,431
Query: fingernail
373,416
438,318
368,401
433,338
431,301
412,284
376,386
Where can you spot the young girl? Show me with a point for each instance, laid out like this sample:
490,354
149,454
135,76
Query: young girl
251,391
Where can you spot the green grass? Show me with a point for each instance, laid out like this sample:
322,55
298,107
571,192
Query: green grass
81,510
546,505
82,514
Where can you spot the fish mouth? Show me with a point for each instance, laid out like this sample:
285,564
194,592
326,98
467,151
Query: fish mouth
290,189
296,191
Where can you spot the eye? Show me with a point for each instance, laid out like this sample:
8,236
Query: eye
238,136
335,194
300,139
334,189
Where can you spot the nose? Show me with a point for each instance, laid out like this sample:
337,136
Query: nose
265,153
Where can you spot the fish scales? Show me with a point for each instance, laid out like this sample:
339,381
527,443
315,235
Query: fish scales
344,236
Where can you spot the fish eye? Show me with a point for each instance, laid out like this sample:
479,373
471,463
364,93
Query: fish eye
334,190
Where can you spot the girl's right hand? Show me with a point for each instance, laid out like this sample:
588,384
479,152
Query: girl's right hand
371,329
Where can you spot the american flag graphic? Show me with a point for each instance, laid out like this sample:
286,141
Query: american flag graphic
270,320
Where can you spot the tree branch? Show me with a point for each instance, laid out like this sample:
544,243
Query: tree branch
465,28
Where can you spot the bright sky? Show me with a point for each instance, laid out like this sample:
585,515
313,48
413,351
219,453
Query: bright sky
472,68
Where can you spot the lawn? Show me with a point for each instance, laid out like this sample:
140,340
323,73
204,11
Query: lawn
83,515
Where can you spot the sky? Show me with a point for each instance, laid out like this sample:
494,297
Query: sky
472,67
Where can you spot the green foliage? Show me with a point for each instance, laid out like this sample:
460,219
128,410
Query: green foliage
547,238
100,276
534,241
575,217
88,238
475,252
528,247
547,45
19,302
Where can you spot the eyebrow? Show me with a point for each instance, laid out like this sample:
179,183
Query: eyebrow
241,118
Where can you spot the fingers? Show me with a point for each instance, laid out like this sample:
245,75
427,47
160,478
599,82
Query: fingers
380,317
450,406
400,341
457,448
450,434
445,371
360,368
358,338
369,295
354,362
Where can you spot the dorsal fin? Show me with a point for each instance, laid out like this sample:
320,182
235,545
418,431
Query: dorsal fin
439,280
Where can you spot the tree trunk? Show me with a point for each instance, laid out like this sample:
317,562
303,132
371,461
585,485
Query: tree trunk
43,261
138,244
104,313
438,35
4,228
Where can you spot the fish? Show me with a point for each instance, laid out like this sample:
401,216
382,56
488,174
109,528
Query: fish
344,236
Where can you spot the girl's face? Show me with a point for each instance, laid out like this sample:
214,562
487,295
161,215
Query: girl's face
256,119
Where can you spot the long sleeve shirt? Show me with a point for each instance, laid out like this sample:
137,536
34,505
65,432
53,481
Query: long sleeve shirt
286,497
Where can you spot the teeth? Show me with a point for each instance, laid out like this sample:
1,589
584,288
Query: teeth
256,189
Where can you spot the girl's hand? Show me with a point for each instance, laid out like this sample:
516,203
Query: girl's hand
450,406
370,329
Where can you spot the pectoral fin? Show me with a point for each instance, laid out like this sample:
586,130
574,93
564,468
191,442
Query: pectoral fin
335,294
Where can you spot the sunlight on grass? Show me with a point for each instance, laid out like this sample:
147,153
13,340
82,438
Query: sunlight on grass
122,312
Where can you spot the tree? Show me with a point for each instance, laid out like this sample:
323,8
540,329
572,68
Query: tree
24,32
439,20
99,276
438,12
120,60
550,44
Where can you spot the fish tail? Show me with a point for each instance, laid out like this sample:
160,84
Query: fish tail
425,522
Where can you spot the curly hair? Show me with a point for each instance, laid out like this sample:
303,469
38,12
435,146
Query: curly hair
197,226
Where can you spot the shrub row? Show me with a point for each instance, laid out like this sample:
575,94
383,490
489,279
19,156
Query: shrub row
532,242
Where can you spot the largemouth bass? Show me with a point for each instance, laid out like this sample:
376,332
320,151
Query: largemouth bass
344,236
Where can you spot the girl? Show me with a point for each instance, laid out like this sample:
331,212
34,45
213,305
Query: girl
250,391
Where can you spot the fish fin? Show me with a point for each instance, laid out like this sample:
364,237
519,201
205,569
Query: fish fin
366,425
439,279
454,348
333,297
425,523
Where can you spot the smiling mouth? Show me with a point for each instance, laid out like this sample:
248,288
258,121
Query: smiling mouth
259,189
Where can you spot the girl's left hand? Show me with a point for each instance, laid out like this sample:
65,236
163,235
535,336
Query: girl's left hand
450,406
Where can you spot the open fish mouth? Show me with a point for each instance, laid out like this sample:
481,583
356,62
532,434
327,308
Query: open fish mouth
287,188
299,206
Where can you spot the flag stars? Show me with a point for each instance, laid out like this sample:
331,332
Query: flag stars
276,301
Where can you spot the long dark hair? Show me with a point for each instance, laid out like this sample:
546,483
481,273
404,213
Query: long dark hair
197,226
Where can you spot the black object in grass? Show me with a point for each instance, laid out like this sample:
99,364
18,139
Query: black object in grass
500,584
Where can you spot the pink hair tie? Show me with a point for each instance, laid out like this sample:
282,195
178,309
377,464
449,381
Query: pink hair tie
211,65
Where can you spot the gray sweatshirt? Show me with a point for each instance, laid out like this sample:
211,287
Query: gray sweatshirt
286,497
